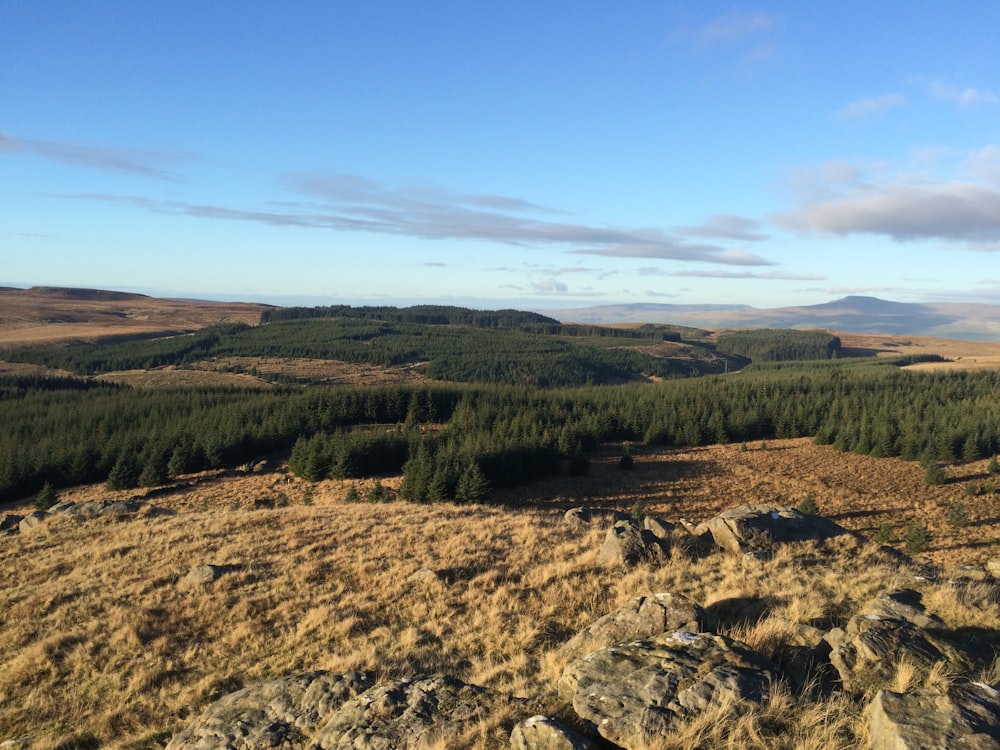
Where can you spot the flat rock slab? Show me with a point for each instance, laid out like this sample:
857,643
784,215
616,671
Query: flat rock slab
752,527
633,693
642,617
544,733
404,715
961,717
282,713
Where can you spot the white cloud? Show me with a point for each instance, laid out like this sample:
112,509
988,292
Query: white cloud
905,204
734,26
139,162
869,106
963,97
727,226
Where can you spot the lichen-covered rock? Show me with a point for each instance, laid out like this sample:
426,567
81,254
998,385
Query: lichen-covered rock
959,717
633,693
902,604
642,617
544,733
206,573
282,713
626,545
751,527
867,653
403,715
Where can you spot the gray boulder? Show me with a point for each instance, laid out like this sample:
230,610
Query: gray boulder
544,733
751,527
584,517
32,521
661,529
642,617
627,545
404,715
633,693
205,573
282,713
866,654
9,522
959,717
902,604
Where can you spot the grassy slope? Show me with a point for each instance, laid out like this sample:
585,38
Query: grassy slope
104,641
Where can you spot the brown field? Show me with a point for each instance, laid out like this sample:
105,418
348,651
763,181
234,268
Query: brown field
105,643
963,355
46,315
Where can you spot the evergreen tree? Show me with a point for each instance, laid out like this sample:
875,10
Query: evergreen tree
46,497
473,486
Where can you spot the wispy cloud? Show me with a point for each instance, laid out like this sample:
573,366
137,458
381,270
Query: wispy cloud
766,275
902,205
734,26
963,97
352,203
869,106
138,162
727,226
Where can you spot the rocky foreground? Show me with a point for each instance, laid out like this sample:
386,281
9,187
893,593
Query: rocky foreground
642,675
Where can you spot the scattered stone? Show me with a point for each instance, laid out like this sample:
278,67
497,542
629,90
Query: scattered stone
642,617
32,521
962,716
993,566
403,715
281,713
205,573
584,517
661,529
424,577
967,572
627,545
98,508
902,604
9,522
544,733
749,527
633,693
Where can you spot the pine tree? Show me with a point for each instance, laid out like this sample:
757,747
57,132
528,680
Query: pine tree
473,486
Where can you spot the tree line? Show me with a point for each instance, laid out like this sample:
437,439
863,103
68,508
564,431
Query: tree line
449,439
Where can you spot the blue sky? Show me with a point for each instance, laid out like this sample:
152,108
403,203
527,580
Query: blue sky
494,154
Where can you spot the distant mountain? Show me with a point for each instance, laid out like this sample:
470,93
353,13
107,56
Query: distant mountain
851,314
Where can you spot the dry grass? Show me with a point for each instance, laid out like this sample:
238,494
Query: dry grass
104,639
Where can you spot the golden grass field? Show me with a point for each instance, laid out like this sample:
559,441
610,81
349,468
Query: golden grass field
105,643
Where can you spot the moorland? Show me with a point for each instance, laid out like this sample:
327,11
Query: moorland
323,456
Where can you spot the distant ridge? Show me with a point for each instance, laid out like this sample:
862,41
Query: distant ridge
852,314
99,295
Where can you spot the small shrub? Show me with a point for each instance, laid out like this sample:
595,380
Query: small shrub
993,467
972,489
626,462
917,538
46,497
958,515
307,494
763,445
933,473
638,512
352,495
884,534
808,506
379,493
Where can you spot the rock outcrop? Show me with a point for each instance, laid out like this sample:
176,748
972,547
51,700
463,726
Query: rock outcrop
632,693
642,617
957,717
755,527
403,715
627,545
283,713
544,733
